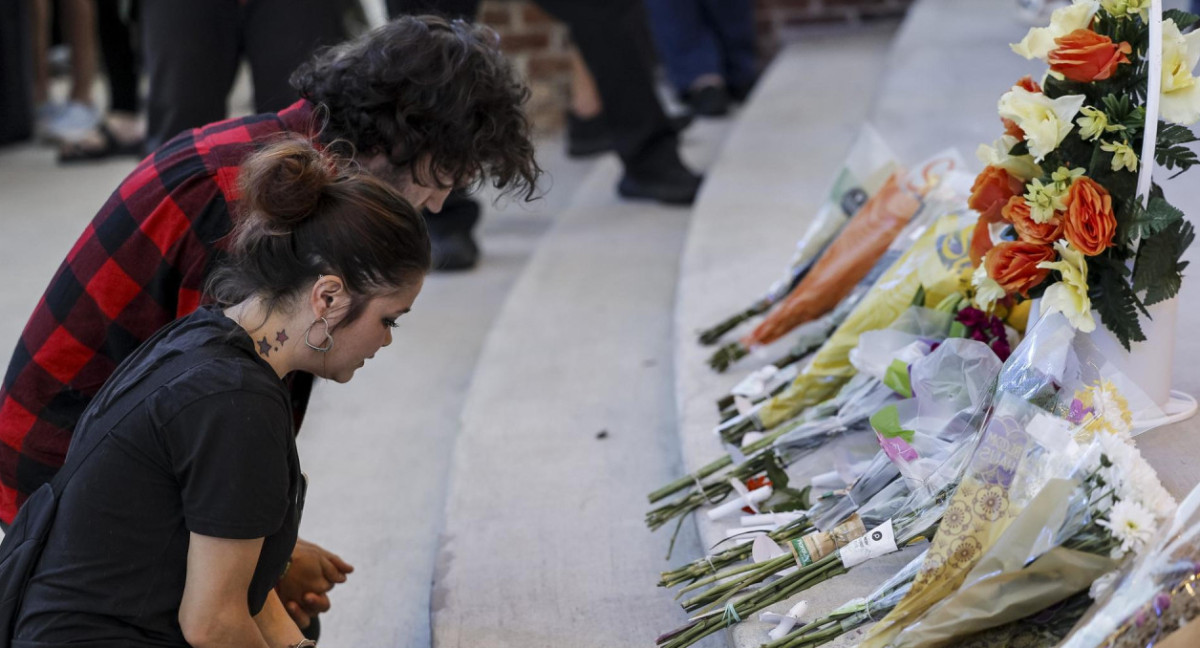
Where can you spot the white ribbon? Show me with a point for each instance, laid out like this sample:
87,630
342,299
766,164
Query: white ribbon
785,621
745,498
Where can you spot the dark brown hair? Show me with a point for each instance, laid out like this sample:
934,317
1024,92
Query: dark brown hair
425,85
304,213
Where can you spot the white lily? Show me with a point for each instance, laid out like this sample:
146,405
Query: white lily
1039,42
1179,98
1045,121
1069,296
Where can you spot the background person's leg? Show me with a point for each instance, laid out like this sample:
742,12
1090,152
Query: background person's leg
686,45
607,33
191,53
732,23
279,35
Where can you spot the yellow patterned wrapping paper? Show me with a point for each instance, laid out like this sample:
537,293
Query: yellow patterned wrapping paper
982,507
937,261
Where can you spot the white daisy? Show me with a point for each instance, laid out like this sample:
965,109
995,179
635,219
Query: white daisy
1131,524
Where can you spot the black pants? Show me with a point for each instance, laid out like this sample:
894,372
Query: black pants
610,35
193,48
121,63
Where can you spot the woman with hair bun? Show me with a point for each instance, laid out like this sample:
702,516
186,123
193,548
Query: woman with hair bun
323,261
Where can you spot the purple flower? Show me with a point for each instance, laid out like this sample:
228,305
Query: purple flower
1001,348
971,317
1162,602
1078,412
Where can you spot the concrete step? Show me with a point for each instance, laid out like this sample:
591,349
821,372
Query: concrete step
772,175
569,421
378,450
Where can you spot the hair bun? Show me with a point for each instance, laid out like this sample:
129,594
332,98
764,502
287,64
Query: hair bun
283,183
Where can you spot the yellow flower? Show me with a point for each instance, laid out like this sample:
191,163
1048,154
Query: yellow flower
1094,123
1179,98
1044,200
1063,178
1123,155
1109,411
1018,166
1045,121
1126,8
987,290
1040,40
1069,296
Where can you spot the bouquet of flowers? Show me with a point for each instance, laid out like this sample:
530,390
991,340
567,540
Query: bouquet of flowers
851,257
850,408
935,267
1132,608
868,165
1064,214
1021,476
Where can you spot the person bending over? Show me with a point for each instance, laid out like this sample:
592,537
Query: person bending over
322,264
423,103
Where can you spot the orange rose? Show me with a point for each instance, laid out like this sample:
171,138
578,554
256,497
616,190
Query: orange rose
1017,213
1089,224
1028,83
991,191
981,242
1011,128
1013,265
1083,55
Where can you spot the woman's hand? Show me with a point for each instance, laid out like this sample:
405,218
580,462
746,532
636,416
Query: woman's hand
304,589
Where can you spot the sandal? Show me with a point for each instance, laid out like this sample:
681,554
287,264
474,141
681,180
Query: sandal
110,146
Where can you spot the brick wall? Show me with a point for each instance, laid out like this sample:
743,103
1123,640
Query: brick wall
539,48
539,45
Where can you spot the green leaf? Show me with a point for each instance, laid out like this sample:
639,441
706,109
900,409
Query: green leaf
792,499
775,472
957,330
1144,223
1116,302
1159,270
887,423
896,377
1020,148
1175,156
1173,134
919,298
1134,123
1118,108
1182,19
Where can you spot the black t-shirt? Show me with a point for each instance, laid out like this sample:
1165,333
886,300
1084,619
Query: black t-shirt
212,452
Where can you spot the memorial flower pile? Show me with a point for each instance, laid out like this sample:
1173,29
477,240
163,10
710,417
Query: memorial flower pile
1010,456
1061,217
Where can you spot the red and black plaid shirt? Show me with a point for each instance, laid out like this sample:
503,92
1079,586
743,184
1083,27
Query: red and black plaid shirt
140,264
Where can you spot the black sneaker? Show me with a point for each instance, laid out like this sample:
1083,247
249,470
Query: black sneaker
450,234
671,184
590,136
587,136
708,101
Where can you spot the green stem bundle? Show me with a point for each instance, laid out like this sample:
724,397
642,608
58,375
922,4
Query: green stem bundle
698,569
769,594
709,493
713,334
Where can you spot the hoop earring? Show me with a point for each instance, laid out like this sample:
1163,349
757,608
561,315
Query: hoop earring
327,343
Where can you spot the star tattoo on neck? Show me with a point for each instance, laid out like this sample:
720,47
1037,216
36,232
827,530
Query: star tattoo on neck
264,347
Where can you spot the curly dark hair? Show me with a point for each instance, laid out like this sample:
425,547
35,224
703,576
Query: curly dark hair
426,85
